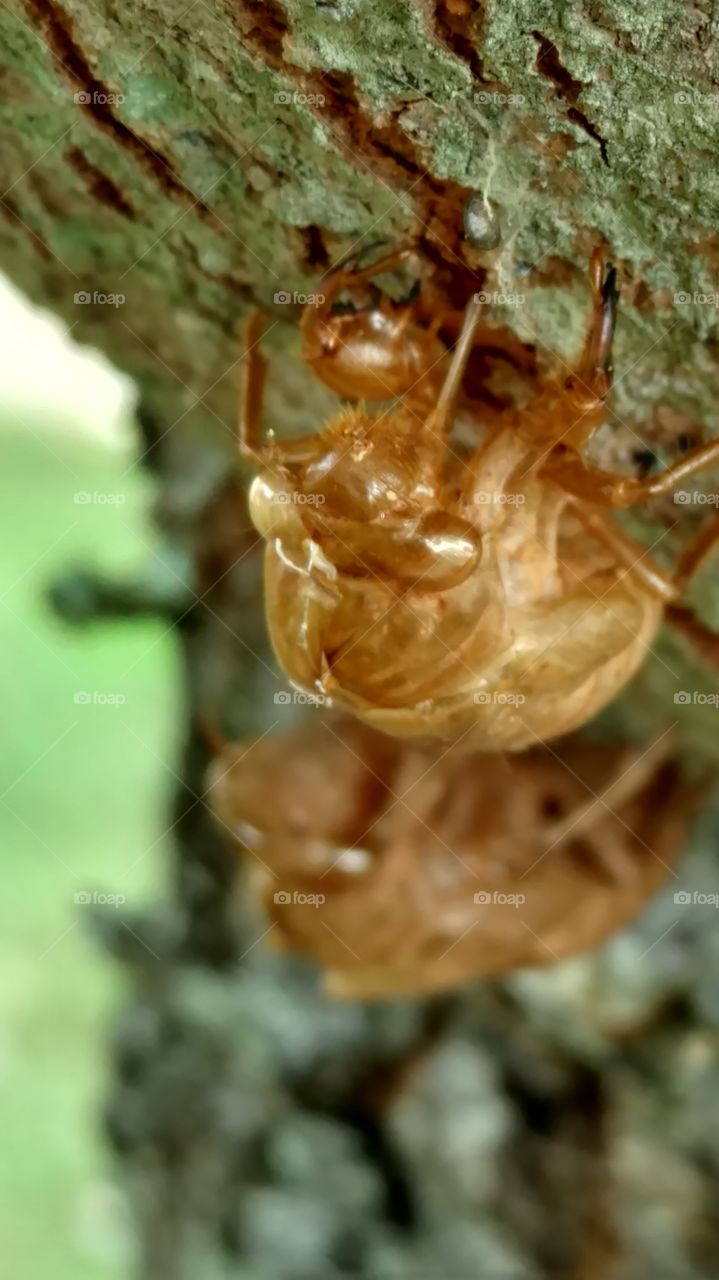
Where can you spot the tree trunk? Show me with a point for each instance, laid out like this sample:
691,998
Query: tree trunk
163,169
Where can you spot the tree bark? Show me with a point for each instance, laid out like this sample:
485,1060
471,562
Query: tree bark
163,169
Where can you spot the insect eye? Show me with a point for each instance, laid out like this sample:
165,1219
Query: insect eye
271,505
455,547
434,553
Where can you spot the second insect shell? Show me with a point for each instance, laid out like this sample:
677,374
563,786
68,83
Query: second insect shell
399,876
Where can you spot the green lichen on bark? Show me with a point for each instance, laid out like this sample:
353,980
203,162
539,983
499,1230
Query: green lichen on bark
193,193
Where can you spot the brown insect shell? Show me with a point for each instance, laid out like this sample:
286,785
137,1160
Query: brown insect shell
381,893
371,355
435,602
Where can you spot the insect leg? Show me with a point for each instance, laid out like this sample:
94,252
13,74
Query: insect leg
704,642
440,419
667,586
631,554
346,275
251,445
252,386
596,357
346,272
605,489
582,404
636,768
696,551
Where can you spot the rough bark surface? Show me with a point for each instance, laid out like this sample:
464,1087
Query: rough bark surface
198,159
